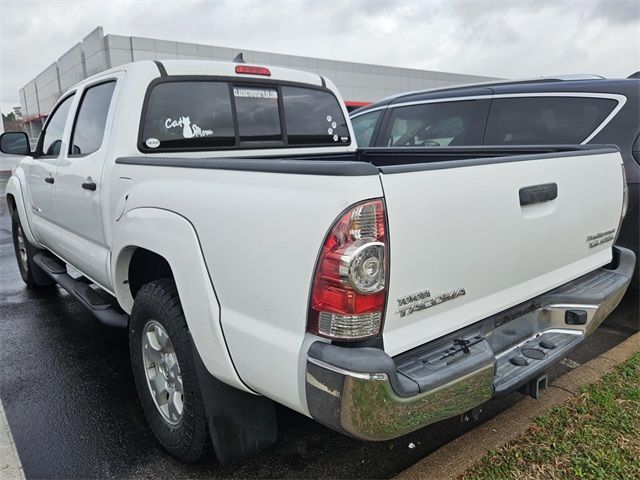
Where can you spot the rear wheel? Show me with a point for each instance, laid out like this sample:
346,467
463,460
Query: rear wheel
30,272
164,371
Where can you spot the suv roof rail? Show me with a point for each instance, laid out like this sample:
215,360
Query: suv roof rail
575,76
541,79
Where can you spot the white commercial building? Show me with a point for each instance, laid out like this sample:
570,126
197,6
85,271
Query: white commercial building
359,83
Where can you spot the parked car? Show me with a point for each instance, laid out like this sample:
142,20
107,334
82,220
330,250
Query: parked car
223,214
579,109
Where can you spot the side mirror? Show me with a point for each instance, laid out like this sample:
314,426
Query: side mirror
15,143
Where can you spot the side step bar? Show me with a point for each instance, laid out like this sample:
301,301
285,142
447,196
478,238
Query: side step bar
82,291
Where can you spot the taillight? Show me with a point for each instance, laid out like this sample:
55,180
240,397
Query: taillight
349,284
251,70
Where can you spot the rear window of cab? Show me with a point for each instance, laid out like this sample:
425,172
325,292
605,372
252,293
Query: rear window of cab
208,115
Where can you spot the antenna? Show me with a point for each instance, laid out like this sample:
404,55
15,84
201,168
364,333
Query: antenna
239,58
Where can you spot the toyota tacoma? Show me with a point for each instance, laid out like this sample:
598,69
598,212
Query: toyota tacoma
224,215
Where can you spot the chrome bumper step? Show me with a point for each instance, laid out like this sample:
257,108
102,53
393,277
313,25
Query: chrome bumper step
365,393
510,375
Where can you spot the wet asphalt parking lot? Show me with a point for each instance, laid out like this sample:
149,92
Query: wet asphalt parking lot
69,397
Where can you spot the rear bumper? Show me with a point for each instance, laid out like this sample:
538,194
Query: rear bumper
364,393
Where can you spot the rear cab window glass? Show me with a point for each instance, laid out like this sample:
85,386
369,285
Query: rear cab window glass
437,124
210,114
313,117
258,114
545,120
188,115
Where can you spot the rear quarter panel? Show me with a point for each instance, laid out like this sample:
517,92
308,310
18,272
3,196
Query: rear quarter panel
260,234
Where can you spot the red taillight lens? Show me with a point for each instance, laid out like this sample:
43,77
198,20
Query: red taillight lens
349,285
251,70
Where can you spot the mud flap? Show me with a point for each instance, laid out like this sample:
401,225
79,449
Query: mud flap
240,424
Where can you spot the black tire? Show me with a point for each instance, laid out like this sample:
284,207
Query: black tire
30,272
158,301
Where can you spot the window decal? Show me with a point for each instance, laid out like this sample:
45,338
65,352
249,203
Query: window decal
152,142
189,130
242,92
332,126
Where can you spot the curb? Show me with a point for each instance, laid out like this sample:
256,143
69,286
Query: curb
456,457
10,466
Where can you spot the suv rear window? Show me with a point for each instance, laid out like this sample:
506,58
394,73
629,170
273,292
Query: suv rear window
207,115
545,120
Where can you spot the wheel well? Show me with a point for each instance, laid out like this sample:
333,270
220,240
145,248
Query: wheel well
144,267
11,203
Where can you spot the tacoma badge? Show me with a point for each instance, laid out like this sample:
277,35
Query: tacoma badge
421,300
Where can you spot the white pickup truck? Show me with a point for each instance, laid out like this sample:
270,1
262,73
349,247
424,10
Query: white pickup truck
224,215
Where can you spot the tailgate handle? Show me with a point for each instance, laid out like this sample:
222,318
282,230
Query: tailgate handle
538,193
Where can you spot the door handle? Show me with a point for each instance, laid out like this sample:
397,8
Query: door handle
89,186
538,193
49,179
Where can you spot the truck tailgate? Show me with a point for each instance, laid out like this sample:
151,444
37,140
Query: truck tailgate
471,238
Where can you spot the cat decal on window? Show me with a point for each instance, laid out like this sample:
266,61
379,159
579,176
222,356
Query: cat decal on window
189,130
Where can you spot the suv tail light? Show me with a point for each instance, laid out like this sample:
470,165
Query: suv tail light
349,284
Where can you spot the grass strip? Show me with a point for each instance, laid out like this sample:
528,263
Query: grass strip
595,435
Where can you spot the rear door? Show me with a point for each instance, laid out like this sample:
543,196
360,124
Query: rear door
465,244
78,188
433,121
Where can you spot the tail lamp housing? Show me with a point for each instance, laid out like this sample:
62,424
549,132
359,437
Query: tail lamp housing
348,293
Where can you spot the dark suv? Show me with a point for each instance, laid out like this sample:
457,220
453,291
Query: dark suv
546,111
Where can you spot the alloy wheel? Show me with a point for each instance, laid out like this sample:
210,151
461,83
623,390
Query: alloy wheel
162,372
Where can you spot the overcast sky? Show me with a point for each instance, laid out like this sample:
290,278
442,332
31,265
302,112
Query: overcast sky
516,38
